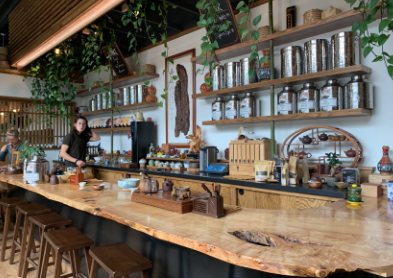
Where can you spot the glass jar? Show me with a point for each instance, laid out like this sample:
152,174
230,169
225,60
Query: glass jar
248,106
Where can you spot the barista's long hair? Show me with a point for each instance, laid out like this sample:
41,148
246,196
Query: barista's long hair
86,132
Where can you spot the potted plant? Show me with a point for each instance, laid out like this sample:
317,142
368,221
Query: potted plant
333,163
29,151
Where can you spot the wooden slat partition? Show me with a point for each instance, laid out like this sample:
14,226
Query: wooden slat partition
21,113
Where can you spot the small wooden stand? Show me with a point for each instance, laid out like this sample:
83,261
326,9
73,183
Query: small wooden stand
213,206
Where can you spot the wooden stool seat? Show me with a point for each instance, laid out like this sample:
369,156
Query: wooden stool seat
118,260
8,204
26,210
68,239
44,222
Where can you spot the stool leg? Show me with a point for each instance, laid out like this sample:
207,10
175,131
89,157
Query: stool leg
73,264
88,259
93,269
41,253
58,260
15,236
30,244
23,246
144,274
5,233
45,260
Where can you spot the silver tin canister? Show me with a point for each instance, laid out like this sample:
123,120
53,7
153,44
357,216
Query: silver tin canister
342,52
248,106
232,110
133,95
107,101
92,105
104,101
125,94
287,101
98,99
358,93
291,61
331,96
308,98
246,65
232,74
316,56
218,109
218,78
141,93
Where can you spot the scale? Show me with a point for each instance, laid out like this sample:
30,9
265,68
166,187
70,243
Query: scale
218,168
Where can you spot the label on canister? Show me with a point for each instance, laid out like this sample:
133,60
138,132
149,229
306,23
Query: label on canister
327,101
283,106
305,106
245,109
230,110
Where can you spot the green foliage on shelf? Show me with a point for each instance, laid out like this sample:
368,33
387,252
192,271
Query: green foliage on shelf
370,42
332,159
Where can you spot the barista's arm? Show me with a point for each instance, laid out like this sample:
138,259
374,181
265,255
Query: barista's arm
66,156
95,137
3,152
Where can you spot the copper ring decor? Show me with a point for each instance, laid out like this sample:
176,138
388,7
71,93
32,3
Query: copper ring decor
315,132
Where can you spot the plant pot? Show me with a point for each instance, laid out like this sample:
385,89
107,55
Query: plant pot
331,181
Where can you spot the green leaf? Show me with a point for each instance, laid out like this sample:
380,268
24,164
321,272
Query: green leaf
244,10
253,47
251,73
244,18
202,23
244,34
372,4
390,71
377,59
171,60
152,7
382,39
175,77
163,54
215,44
355,26
241,4
163,96
383,24
362,28
256,20
253,56
139,21
255,35
367,51
147,83
351,2
263,60
390,60
160,104
204,38
389,4
200,4
374,37
205,63
364,42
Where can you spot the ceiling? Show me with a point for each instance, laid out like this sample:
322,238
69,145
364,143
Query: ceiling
180,19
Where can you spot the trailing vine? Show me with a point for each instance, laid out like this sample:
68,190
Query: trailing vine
371,41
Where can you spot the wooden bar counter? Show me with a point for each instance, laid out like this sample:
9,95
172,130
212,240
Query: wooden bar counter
313,242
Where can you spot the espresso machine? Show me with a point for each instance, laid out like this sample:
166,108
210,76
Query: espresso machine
208,161
142,135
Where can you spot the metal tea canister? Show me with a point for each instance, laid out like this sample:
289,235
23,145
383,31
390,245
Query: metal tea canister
218,109
133,95
287,101
354,194
316,56
308,98
291,61
358,93
232,74
232,110
331,96
218,78
246,65
342,50
98,99
141,93
125,93
264,70
92,105
248,106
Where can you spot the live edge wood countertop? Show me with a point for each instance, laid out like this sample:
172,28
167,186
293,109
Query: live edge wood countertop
313,242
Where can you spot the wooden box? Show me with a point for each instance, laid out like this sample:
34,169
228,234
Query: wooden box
378,178
243,154
165,200
371,190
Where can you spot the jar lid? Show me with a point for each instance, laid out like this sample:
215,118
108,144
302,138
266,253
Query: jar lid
354,185
234,96
342,35
249,94
230,64
308,85
331,81
219,99
287,88
356,77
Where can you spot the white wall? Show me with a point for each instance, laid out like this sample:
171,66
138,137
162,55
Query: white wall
373,132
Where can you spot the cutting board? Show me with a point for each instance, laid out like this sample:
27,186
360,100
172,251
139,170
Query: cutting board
165,200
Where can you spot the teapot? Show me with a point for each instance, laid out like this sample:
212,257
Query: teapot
306,139
303,154
167,185
323,137
291,153
138,116
350,153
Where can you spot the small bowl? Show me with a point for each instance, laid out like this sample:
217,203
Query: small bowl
98,187
194,165
317,184
342,184
128,183
82,184
99,159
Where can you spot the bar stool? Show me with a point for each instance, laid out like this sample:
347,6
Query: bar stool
44,222
118,260
63,240
3,194
8,204
26,210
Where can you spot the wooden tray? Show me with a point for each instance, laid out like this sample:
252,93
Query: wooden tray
128,165
157,167
165,200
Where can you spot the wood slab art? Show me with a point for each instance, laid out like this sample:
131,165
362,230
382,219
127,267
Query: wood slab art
182,102
165,200
314,242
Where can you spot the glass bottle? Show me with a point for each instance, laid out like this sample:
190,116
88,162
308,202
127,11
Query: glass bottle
385,165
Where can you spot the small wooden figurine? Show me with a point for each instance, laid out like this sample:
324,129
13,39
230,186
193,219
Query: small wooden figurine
196,140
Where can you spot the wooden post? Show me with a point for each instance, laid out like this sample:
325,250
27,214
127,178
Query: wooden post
272,125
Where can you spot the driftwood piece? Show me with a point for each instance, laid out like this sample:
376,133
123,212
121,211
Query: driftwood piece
182,101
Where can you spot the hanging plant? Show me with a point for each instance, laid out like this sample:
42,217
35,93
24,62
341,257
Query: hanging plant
370,42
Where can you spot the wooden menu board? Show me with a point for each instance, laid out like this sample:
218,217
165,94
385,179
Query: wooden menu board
231,35
118,62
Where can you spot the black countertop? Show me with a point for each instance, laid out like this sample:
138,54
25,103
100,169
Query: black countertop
326,190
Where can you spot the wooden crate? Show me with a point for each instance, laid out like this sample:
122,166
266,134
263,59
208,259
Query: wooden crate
243,154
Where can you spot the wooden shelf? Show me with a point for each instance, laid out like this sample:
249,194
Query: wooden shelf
295,80
186,159
331,23
300,116
123,107
121,82
126,128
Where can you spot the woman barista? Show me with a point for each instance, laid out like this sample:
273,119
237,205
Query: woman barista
73,149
